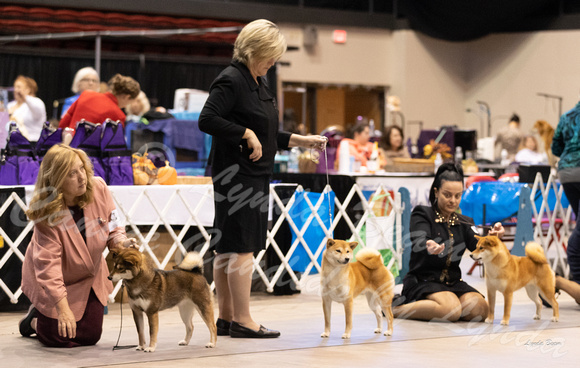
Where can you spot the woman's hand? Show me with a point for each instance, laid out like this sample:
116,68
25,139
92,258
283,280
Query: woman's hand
128,243
434,248
497,230
67,325
308,141
254,144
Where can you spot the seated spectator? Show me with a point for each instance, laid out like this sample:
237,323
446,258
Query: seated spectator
27,110
85,79
528,153
391,145
96,107
360,146
136,109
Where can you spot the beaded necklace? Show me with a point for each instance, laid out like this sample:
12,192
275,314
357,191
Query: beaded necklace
451,221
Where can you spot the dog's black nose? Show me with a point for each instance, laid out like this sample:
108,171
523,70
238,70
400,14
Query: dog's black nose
110,277
346,260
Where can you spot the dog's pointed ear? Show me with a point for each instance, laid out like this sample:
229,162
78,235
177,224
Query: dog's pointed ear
478,237
330,243
352,245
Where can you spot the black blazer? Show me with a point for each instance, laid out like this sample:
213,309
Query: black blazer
237,102
429,267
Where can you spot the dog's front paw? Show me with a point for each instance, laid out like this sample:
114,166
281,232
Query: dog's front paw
183,342
537,317
140,347
210,345
325,334
554,319
346,335
389,332
505,322
378,330
150,349
489,320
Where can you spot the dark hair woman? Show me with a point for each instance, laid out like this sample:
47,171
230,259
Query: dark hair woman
433,288
392,145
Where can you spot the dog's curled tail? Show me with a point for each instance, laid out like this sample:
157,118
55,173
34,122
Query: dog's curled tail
193,261
535,252
370,258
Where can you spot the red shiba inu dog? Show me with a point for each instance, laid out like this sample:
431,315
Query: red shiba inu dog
507,273
342,281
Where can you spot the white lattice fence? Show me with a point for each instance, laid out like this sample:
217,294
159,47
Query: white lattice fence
13,244
193,212
552,227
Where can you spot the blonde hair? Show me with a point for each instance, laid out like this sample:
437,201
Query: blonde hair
30,83
142,97
81,74
259,40
123,85
525,140
47,203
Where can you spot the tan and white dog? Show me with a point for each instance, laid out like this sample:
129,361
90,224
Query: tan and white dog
342,281
546,132
151,290
507,273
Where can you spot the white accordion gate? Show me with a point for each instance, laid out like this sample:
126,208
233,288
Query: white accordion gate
558,230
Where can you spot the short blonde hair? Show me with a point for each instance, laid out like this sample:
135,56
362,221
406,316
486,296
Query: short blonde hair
81,74
259,40
141,97
47,203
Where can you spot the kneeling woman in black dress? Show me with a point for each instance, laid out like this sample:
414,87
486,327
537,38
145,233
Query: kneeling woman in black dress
433,288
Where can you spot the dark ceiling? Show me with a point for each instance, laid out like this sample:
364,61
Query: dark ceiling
455,20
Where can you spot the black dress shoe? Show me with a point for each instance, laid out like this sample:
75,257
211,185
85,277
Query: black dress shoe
237,330
223,327
24,326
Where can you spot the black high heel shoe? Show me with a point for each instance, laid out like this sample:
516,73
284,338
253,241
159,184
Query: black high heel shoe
223,327
237,330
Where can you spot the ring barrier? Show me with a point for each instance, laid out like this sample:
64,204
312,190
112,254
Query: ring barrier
559,218
396,239
13,244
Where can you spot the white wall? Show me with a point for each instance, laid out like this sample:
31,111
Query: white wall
438,80
363,59
508,71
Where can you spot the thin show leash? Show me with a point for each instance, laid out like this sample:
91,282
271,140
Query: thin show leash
117,347
327,181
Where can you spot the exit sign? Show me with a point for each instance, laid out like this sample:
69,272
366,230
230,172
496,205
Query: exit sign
339,36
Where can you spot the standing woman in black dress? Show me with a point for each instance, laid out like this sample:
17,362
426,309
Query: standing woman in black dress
242,116
433,288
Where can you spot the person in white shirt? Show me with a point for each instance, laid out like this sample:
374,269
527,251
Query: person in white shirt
528,153
27,110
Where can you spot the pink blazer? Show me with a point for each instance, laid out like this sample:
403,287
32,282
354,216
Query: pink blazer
59,264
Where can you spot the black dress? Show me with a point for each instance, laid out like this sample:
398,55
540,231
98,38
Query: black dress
241,187
430,273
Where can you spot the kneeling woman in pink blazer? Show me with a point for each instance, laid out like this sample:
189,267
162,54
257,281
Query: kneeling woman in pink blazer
64,272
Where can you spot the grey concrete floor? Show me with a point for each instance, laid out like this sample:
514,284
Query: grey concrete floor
524,342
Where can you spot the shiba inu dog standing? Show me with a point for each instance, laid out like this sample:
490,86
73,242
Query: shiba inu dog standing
546,132
342,281
151,290
507,273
